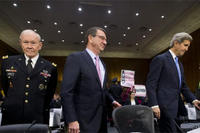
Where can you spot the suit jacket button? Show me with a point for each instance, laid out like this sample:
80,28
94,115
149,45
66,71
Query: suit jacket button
26,93
28,78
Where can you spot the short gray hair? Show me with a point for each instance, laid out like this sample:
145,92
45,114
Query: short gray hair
28,31
180,37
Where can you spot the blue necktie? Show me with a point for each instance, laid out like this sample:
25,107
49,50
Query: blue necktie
178,69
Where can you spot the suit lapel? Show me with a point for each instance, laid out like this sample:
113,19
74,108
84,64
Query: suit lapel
105,75
91,65
38,66
173,66
21,64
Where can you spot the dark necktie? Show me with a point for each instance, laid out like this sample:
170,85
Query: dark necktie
29,66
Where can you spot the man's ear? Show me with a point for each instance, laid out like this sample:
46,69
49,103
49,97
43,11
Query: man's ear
90,38
176,42
41,44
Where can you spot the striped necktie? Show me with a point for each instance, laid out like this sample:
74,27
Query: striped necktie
98,68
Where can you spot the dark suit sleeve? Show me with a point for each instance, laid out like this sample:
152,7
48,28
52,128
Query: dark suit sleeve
70,80
189,97
109,96
153,80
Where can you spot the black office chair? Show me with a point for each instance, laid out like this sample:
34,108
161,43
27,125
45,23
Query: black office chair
133,118
25,128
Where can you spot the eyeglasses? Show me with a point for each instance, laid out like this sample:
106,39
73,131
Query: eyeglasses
101,37
186,44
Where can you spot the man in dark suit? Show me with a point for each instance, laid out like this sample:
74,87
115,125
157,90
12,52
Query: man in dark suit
29,82
165,83
84,92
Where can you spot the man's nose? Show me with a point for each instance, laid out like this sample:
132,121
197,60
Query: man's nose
29,45
105,41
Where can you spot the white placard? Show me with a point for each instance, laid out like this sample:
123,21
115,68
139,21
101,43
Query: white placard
140,90
0,118
55,117
51,117
127,78
192,115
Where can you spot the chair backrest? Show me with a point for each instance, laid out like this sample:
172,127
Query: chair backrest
25,128
134,118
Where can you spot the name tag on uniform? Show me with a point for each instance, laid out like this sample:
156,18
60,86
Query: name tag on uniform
11,72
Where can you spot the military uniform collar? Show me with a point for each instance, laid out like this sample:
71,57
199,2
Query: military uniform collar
34,59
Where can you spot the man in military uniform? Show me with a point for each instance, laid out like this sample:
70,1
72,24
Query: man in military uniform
29,82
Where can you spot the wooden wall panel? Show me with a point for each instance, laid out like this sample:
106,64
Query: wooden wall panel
140,66
5,50
114,66
191,62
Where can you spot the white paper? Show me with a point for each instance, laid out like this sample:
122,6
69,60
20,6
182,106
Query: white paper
140,90
0,118
51,117
55,117
192,115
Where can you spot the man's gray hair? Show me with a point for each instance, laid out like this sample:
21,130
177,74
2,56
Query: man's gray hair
180,37
28,31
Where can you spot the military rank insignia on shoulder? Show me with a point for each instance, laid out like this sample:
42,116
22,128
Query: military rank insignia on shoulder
55,65
5,57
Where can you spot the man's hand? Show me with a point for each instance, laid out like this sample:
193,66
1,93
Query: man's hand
116,104
196,104
156,111
73,127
